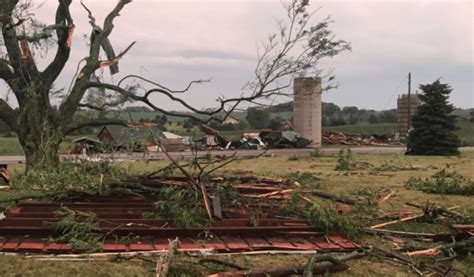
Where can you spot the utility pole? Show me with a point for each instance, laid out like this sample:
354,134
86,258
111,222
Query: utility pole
409,102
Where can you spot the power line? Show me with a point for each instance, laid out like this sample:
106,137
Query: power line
402,81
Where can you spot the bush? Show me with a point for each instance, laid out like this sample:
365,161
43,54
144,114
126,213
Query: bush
345,161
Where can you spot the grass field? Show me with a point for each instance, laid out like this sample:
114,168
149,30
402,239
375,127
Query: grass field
331,180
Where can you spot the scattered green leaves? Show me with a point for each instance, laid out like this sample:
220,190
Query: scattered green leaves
80,176
304,178
346,162
330,221
443,182
78,229
185,207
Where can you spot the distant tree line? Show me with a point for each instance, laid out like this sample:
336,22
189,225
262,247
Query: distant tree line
264,118
332,115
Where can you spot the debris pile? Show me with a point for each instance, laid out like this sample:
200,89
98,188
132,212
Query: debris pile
120,222
341,138
258,140
284,139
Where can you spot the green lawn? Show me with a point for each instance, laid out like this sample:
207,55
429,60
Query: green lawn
10,146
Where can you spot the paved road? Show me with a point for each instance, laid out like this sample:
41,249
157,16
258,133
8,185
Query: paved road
240,153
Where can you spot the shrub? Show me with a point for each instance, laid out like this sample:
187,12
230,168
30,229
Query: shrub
345,160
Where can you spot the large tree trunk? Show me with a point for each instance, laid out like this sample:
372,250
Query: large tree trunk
41,148
40,133
40,153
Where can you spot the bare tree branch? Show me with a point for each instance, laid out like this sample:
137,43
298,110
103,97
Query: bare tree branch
8,32
8,115
93,123
107,29
69,106
6,72
63,18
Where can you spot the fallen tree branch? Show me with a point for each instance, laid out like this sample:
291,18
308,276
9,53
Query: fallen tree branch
341,199
283,271
163,263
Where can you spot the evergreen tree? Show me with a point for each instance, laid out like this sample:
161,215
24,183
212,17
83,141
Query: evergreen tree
433,124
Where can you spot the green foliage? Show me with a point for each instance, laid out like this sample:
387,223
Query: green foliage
443,182
69,176
184,207
276,123
385,166
78,229
433,124
345,160
316,153
293,158
369,196
258,118
304,178
330,221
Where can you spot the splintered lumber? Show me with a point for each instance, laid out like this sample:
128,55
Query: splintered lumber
427,252
163,263
405,219
386,197
466,244
464,227
401,233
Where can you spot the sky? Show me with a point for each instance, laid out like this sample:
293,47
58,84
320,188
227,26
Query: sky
183,40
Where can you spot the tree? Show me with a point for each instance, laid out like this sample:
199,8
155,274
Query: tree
433,125
373,119
296,48
258,118
276,123
161,120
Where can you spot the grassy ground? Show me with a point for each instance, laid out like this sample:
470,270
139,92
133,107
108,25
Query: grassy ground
344,183
10,146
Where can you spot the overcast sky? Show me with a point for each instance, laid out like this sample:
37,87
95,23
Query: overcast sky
179,41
